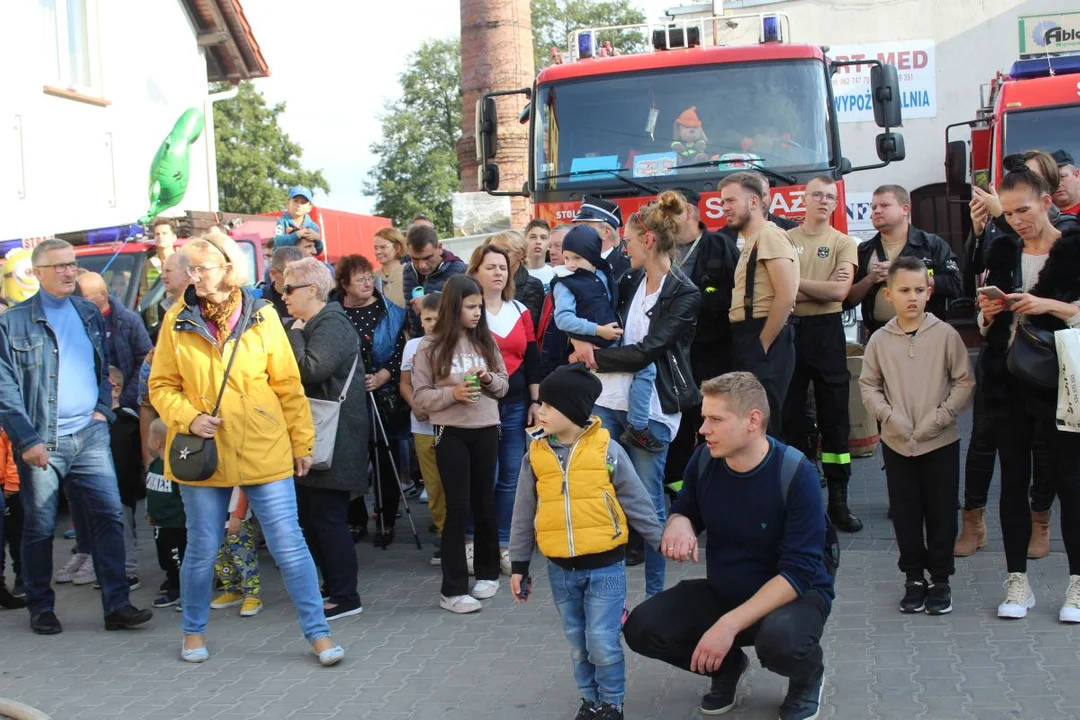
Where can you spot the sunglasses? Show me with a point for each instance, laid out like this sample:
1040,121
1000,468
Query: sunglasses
288,289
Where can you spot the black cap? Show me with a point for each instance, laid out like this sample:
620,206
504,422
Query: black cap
1062,157
594,209
585,241
572,390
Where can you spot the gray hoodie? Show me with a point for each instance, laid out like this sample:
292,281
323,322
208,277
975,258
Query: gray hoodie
917,385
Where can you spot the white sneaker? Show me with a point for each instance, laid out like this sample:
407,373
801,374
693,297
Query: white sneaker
504,562
483,589
469,557
423,496
460,604
67,573
1070,609
1018,597
85,574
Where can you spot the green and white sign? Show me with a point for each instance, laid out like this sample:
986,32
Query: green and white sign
1042,34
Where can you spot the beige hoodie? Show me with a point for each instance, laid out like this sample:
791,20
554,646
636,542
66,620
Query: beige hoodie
435,396
917,385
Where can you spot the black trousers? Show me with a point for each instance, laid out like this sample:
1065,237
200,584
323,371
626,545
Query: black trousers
170,544
324,518
922,494
821,359
388,499
11,534
988,425
467,459
668,627
774,368
1017,443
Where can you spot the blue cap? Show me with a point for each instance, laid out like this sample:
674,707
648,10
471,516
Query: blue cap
300,191
585,241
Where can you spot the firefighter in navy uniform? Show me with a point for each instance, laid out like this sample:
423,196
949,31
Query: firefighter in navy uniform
827,263
891,214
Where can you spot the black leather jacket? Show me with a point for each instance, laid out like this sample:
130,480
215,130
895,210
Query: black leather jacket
671,330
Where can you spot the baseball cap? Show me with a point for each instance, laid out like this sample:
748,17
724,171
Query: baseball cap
300,191
1062,157
594,209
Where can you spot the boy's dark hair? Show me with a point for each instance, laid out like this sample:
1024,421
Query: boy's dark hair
909,263
163,221
430,301
421,236
749,180
537,223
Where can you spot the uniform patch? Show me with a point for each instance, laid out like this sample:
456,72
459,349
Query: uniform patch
823,251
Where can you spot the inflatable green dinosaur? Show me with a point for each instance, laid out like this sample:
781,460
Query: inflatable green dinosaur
172,164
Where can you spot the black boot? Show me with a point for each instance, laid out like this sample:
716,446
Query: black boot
839,512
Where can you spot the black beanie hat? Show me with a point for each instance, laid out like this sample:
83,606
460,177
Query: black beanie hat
585,241
572,390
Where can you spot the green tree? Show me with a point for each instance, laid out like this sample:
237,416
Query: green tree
257,162
552,21
417,169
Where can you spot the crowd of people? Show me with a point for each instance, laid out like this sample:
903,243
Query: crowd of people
603,391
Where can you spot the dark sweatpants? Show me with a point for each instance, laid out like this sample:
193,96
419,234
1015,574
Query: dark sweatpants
773,369
170,544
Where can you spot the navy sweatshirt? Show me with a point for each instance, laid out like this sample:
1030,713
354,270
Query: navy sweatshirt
753,537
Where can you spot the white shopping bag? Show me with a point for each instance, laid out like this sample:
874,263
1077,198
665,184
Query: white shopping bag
1068,404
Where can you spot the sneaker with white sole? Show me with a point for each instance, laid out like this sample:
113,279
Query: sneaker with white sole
504,562
423,496
67,573
85,574
1018,597
1070,609
460,604
469,557
483,589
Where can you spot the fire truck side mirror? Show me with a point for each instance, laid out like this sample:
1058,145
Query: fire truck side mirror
487,129
885,95
488,179
890,147
955,168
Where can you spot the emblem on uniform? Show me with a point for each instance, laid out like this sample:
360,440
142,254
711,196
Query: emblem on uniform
823,252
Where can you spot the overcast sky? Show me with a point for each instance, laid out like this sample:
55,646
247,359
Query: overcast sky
337,64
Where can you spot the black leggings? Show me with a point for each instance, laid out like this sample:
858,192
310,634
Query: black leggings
467,459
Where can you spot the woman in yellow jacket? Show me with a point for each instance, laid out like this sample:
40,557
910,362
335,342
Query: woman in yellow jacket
263,431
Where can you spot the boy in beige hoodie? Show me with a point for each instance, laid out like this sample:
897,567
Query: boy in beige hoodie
916,380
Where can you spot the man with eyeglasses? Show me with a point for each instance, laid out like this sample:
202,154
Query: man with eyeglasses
55,402
890,212
827,262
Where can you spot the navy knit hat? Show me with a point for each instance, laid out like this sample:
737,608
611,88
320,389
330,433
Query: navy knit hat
572,390
585,241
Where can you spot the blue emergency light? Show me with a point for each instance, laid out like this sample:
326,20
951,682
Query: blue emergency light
771,30
586,45
1045,67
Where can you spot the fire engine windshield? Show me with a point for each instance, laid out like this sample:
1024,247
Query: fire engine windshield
1048,129
716,118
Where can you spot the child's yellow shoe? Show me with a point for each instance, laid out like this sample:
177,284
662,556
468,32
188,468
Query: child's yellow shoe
227,600
251,606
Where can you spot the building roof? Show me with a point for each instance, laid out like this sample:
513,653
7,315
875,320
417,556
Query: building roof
232,53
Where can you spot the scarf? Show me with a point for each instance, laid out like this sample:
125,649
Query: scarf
220,313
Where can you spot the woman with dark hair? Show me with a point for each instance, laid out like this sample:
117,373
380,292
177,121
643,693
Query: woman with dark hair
458,378
381,326
1041,275
511,325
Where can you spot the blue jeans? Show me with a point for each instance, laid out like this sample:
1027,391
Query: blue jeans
650,468
83,462
207,509
512,416
590,605
641,390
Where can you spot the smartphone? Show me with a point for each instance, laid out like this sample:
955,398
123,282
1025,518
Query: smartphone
982,179
994,293
526,588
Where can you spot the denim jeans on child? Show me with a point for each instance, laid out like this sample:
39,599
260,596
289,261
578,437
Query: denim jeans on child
641,390
274,503
590,605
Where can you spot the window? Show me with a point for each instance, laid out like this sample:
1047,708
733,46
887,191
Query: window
70,48
1046,128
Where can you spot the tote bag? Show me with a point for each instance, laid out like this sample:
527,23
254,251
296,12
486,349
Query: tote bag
1068,403
325,415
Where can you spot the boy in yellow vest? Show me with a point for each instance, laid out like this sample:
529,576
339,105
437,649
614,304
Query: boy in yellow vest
576,493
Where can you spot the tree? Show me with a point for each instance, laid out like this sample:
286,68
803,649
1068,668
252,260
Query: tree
417,169
552,21
257,162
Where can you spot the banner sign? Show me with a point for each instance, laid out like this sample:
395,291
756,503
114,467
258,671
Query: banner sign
915,66
1042,34
858,215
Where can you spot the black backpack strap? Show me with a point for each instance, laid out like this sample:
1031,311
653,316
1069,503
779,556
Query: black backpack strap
879,250
748,291
789,468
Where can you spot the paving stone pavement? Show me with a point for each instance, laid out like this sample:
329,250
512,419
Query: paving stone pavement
409,659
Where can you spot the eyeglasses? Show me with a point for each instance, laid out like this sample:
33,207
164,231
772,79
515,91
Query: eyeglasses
288,289
199,270
823,197
61,268
364,279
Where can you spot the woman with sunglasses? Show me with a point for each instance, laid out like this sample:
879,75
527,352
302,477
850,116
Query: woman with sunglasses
381,326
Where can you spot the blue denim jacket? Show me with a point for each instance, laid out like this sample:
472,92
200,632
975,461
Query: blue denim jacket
28,371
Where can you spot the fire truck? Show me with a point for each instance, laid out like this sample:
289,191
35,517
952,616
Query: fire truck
614,125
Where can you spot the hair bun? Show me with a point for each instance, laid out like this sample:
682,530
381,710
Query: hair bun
671,204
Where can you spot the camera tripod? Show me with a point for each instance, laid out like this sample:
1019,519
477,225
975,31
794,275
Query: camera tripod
382,441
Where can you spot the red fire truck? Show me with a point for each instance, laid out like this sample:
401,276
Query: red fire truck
609,125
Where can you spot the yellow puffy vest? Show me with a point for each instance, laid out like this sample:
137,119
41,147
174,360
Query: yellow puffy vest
577,512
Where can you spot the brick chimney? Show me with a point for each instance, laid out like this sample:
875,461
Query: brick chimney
497,54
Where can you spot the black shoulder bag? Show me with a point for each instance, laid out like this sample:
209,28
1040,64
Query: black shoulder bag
193,458
1032,357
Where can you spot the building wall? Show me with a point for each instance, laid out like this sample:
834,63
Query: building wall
76,165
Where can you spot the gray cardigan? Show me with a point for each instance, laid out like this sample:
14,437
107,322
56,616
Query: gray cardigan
325,349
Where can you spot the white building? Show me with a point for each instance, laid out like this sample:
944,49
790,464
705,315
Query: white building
92,88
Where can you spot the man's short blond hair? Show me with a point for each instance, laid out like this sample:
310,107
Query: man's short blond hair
155,436
742,392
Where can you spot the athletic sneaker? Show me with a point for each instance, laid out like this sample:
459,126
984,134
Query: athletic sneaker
423,496
342,610
85,574
607,711
460,604
484,589
227,599
1018,597
167,599
1070,609
587,711
803,700
132,580
251,607
67,573
914,600
939,599
724,687
642,439
436,558
469,557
